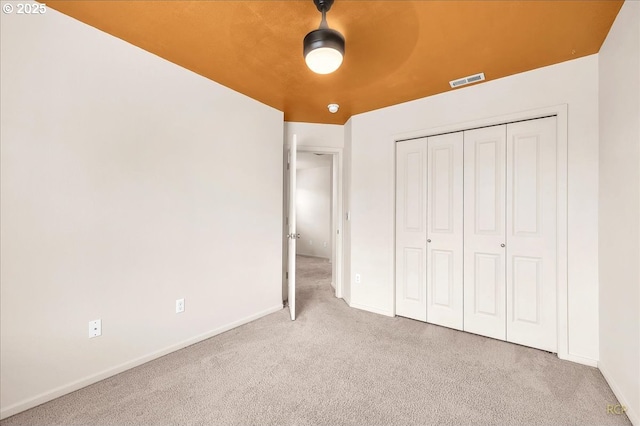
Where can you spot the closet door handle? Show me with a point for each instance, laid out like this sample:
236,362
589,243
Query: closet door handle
502,245
429,240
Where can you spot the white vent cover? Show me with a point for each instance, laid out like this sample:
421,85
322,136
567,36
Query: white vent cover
467,80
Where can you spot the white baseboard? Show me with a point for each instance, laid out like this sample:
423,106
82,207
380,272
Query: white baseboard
579,359
346,299
631,413
94,378
371,309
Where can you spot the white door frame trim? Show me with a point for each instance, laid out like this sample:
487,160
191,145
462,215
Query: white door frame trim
561,112
337,221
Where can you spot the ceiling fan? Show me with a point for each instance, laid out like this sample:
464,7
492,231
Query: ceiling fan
323,48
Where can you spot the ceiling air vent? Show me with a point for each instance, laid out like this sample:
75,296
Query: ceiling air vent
467,80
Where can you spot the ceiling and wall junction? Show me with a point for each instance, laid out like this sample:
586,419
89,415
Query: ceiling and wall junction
396,51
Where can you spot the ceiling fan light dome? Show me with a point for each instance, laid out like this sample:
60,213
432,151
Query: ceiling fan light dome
323,50
324,60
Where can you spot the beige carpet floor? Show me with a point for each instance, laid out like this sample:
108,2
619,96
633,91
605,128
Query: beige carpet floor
340,366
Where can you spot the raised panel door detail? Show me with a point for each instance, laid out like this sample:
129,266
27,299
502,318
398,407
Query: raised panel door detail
531,233
526,289
485,231
526,185
488,206
413,277
445,230
487,283
442,275
442,206
414,191
411,229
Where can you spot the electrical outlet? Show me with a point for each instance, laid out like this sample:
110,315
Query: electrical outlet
95,328
310,242
324,244
179,306
357,278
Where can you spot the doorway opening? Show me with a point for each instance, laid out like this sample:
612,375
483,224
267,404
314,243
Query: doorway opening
312,239
329,176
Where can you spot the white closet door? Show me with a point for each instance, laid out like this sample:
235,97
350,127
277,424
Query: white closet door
411,229
291,236
444,230
484,231
531,233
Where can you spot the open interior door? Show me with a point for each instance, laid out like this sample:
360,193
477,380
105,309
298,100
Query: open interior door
291,235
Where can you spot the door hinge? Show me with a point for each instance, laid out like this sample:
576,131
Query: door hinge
286,275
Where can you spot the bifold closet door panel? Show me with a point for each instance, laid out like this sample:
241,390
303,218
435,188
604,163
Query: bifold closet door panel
531,233
411,229
484,231
444,230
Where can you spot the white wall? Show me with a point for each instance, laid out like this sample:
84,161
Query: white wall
313,205
315,135
619,66
574,83
127,182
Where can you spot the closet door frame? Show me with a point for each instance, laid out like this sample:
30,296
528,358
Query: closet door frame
561,112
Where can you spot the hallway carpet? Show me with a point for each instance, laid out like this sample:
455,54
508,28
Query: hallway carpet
340,366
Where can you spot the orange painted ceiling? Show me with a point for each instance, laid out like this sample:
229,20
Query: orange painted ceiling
396,51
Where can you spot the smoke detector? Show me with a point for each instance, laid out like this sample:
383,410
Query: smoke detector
467,80
333,108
